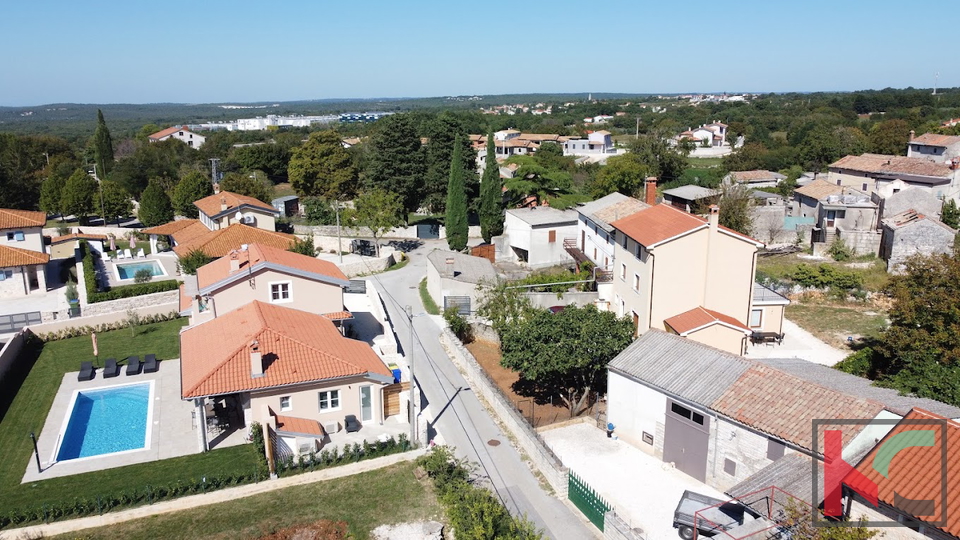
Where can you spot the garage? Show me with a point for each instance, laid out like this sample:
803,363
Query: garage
686,438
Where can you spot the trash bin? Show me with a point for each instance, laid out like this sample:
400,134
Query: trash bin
610,428
396,372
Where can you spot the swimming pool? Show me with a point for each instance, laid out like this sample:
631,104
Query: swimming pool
106,421
129,270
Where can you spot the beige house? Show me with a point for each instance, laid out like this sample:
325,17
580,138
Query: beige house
677,266
886,175
269,275
220,210
22,253
766,310
286,369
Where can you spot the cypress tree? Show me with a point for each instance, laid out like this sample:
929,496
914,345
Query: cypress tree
102,147
491,196
456,220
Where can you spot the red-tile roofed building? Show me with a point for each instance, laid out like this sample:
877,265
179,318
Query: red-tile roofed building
886,175
708,326
935,147
180,133
23,255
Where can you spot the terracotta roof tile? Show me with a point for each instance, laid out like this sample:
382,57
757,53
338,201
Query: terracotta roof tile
916,472
785,406
185,301
11,256
12,219
700,317
77,236
257,255
171,227
222,241
934,139
756,176
213,204
300,426
338,315
656,224
819,189
296,346
893,165
167,132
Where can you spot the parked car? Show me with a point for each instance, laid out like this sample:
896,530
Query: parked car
698,514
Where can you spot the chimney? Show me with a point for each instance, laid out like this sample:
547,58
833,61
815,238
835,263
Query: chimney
650,190
223,203
234,261
216,188
450,271
714,217
912,134
256,360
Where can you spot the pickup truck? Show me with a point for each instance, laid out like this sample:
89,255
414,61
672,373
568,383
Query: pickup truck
714,516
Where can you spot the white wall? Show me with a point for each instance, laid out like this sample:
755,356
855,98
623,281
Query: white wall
634,408
594,246
32,239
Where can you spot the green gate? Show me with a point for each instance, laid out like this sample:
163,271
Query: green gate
586,499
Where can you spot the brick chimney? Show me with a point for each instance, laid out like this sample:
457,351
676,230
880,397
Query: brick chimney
234,261
650,190
913,134
223,203
256,360
714,217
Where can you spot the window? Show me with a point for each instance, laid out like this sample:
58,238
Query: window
594,253
774,449
624,241
9,237
329,400
864,187
623,271
680,410
729,467
6,274
756,318
552,236
280,292
285,403
15,236
636,282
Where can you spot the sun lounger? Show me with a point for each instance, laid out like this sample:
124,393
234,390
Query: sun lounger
120,255
140,254
150,364
126,254
86,371
351,423
110,368
133,365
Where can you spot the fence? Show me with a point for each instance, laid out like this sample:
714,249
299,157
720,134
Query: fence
587,500
14,323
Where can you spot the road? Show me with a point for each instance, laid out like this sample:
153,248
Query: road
459,417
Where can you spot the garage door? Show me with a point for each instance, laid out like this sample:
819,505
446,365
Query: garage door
391,398
686,438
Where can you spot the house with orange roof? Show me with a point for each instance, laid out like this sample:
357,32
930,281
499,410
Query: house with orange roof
266,274
284,368
220,210
682,273
180,133
23,256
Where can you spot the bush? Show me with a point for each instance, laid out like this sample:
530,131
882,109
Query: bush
143,276
330,457
75,331
127,291
859,363
191,261
839,250
826,276
72,293
458,325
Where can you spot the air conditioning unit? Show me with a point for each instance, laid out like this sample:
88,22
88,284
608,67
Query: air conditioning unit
247,219
306,448
331,427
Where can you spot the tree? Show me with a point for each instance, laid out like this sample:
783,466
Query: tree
115,200
102,147
272,158
442,132
151,161
193,260
249,184
192,187
155,206
949,214
379,211
491,195
50,194
78,194
323,167
624,174
735,204
319,211
545,186
566,353
396,160
456,219
663,161
890,137
303,246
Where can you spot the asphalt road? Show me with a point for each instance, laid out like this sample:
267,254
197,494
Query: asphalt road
459,418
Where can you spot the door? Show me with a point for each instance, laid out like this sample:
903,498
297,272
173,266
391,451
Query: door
686,438
636,324
831,218
583,241
366,403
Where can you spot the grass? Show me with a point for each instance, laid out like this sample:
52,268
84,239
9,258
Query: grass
704,162
364,501
27,393
283,189
428,304
413,219
833,324
875,276
56,222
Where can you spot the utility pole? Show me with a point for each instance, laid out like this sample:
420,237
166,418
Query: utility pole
339,241
638,128
413,392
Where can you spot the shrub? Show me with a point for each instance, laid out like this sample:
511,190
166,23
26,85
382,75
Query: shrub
839,250
143,276
127,291
458,325
333,456
75,331
72,292
191,261
859,363
826,276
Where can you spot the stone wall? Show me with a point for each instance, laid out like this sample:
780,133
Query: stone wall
861,242
171,298
11,350
549,300
484,332
370,265
527,438
328,233
164,303
615,528
118,232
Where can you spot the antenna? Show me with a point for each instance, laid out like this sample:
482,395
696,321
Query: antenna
936,79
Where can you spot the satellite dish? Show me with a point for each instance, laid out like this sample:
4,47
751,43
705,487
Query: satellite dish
238,216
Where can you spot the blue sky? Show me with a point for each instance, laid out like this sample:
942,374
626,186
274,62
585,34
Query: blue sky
203,51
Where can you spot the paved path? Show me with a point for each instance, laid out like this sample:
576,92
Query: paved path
458,416
798,343
214,497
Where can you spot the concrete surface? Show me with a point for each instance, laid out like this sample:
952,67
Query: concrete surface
798,343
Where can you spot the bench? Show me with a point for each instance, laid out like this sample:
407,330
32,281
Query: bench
766,337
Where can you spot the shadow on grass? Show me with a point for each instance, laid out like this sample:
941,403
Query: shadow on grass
14,378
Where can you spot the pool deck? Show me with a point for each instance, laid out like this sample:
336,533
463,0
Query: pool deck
167,260
173,431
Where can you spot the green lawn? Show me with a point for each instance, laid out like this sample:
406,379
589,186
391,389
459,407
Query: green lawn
364,501
27,394
832,324
704,162
428,304
872,269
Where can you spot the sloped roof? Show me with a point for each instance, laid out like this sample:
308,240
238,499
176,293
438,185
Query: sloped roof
790,473
12,256
917,472
610,208
544,215
212,205
766,296
77,236
222,241
298,426
819,189
893,165
13,219
691,192
935,139
258,256
911,217
167,132
467,268
701,317
171,227
296,347
663,222
756,176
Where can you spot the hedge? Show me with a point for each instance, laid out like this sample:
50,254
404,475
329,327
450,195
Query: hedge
75,331
349,454
94,294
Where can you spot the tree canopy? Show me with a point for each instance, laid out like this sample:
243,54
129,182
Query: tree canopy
192,187
155,206
78,195
379,211
250,184
456,219
323,167
624,174
102,147
115,201
396,160
491,195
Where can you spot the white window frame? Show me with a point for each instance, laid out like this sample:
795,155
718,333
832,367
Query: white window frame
279,285
285,404
326,398
623,271
636,282
759,313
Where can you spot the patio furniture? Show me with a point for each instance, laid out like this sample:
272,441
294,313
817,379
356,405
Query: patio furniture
120,255
86,371
110,368
351,423
126,254
150,364
766,337
140,254
133,365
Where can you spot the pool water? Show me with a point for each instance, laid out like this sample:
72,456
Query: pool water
129,271
106,421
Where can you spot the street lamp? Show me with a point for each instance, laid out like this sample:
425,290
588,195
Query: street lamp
412,405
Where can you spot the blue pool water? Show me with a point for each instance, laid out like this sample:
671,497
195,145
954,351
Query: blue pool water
128,271
106,421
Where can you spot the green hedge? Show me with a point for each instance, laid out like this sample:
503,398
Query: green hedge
349,454
95,295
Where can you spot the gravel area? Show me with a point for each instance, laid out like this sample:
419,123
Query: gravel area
798,343
643,490
418,530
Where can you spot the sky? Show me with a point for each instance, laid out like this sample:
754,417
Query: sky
215,51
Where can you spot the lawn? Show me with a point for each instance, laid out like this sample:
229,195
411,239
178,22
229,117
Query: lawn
26,396
428,304
833,324
364,501
872,269
704,162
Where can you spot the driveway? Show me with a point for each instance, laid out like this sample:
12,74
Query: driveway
643,490
798,343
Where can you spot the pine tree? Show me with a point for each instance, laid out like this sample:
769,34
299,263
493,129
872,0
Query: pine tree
192,187
396,160
155,206
491,196
456,220
102,147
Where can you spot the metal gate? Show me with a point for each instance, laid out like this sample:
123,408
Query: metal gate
462,303
586,499
686,437
356,286
427,230
14,323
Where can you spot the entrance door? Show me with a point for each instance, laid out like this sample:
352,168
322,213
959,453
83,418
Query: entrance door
366,403
583,241
831,218
636,324
686,438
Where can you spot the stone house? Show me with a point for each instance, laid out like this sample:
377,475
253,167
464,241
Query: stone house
755,179
840,211
691,198
453,279
885,174
935,147
911,198
911,233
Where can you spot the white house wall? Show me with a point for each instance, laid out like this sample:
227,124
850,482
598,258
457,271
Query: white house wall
597,243
634,409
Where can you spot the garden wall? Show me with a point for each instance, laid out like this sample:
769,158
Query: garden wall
11,350
114,311
615,528
539,453
549,300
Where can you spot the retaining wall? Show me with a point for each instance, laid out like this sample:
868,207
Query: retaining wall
615,528
527,438
125,304
11,350
546,300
